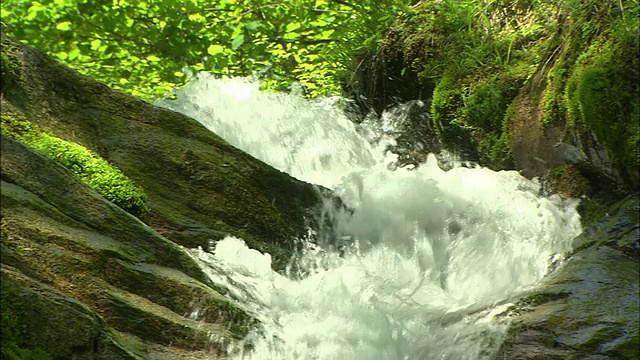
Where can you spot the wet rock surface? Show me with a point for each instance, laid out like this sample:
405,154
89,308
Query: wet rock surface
590,307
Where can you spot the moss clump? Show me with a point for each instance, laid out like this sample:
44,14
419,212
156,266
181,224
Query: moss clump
567,180
601,97
445,109
106,179
593,84
10,68
478,111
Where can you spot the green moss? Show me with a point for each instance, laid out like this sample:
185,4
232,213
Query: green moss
526,304
478,111
592,84
106,179
553,107
16,126
495,152
602,96
10,67
445,105
15,335
567,181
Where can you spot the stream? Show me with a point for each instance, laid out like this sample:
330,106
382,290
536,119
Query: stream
423,261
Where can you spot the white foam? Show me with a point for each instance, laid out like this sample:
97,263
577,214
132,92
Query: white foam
428,253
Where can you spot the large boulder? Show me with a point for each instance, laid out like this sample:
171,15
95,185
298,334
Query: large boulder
199,187
82,278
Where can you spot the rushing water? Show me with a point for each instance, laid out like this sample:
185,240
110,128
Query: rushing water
427,259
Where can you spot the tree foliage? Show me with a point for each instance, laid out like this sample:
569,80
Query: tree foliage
145,47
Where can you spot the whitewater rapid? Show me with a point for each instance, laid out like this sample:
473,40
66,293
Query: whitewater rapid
427,257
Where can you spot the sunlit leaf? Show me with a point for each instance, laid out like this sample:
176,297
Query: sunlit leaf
291,36
64,26
293,26
73,54
326,34
95,44
33,11
214,49
237,42
197,18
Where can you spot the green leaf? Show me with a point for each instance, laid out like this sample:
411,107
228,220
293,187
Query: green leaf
197,18
33,11
328,33
293,26
252,26
73,54
237,42
153,58
95,44
64,26
236,32
215,49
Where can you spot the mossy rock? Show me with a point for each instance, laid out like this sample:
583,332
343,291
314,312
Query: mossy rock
56,230
108,180
10,64
199,187
560,88
567,181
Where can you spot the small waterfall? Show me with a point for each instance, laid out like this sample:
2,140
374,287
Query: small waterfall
312,141
427,259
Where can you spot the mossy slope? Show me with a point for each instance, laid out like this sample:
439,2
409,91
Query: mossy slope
511,81
106,179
